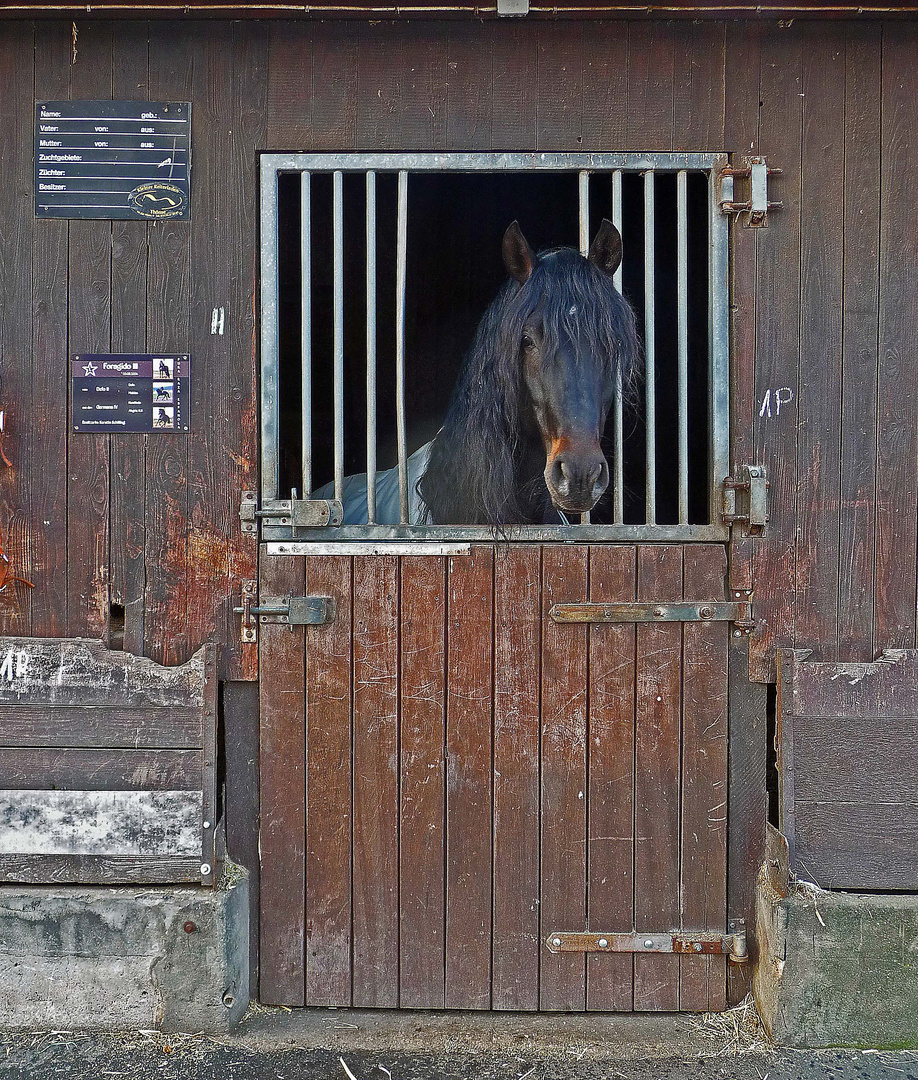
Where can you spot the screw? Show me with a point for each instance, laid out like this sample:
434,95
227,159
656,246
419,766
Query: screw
738,595
205,869
603,943
706,612
648,944
206,824
658,611
189,927
659,697
737,633
556,942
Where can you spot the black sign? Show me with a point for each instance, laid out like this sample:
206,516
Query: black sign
115,392
112,159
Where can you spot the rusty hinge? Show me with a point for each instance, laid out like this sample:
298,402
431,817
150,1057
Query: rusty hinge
288,610
738,612
297,513
687,943
756,171
751,509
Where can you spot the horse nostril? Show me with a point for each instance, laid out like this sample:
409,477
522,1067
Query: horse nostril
565,472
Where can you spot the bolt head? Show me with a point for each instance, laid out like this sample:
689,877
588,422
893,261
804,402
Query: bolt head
556,942
648,944
603,944
206,824
205,869
189,927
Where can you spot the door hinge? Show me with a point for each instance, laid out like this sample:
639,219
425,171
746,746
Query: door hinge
738,612
685,943
293,512
287,610
745,500
756,207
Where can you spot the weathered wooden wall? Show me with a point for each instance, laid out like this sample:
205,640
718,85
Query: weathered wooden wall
826,304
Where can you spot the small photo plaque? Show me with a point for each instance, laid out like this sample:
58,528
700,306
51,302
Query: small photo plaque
126,392
112,159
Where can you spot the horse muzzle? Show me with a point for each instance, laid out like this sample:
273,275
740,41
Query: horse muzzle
577,480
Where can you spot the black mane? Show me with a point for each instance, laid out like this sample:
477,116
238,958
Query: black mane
479,471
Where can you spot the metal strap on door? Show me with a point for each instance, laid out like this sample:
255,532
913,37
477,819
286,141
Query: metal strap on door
306,519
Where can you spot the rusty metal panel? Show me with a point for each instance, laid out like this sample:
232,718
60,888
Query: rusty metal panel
847,747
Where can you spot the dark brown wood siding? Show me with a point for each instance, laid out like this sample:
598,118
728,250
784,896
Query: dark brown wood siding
826,304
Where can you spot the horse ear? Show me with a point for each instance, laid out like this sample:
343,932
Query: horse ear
606,249
518,257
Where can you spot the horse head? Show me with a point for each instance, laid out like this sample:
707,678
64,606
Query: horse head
567,321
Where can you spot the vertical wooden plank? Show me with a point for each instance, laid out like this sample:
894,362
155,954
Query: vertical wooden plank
650,86
89,327
897,451
656,777
375,884
741,130
703,979
282,774
381,62
560,88
562,980
50,377
469,700
422,840
517,648
290,87
698,85
610,846
168,329
820,379
328,787
778,344
127,478
857,540
335,105
468,87
17,60
605,86
240,361
422,123
514,72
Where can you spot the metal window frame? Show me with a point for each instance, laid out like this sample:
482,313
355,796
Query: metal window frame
404,164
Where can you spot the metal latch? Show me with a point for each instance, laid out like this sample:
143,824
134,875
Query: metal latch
288,610
739,612
684,943
756,171
751,510
297,513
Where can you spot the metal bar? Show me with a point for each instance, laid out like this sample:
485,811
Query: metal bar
338,305
698,944
500,162
269,333
739,611
306,329
618,534
719,344
356,547
650,400
400,270
682,336
583,199
371,348
618,436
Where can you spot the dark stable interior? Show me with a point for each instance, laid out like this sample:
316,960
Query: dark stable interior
454,271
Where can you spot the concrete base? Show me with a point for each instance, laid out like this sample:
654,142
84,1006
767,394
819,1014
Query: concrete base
126,958
837,969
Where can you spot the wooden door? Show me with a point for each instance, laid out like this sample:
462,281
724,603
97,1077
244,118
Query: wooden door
449,776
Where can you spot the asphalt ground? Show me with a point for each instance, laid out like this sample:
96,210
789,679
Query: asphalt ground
330,1045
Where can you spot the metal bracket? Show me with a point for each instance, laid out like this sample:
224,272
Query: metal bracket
686,943
738,612
298,513
249,632
756,171
289,610
512,7
753,514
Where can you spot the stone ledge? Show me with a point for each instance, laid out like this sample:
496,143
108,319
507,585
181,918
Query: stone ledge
120,958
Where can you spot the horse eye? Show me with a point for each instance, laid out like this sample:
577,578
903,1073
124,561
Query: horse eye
528,343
